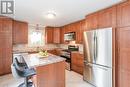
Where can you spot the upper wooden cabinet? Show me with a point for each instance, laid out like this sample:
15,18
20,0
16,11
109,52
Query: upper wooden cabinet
92,21
62,31
5,45
107,17
79,31
49,34
52,35
56,37
77,27
20,32
102,19
123,14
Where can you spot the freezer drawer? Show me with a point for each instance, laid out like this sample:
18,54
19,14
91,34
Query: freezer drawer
97,75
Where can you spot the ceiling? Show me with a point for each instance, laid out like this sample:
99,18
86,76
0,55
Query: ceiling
67,11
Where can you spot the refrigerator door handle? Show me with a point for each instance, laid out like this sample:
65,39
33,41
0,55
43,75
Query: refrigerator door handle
95,47
96,50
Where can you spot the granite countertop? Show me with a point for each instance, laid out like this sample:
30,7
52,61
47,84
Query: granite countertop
34,60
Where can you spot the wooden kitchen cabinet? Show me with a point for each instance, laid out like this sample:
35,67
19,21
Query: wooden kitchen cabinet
50,75
123,14
92,21
80,30
52,51
77,62
55,51
20,32
52,35
77,27
62,31
56,35
107,17
5,45
123,55
49,35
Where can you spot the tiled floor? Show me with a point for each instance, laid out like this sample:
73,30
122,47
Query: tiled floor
72,80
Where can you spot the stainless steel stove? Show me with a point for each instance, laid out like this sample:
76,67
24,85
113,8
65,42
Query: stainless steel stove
66,53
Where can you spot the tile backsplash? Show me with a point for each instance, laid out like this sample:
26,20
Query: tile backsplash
25,47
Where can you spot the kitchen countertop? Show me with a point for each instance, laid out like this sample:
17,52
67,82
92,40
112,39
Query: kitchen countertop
33,60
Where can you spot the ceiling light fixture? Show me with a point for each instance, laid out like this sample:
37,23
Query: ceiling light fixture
51,15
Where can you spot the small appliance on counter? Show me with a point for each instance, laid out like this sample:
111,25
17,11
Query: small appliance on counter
66,53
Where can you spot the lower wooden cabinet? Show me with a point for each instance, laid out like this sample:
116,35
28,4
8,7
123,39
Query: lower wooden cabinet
51,75
55,51
77,62
52,51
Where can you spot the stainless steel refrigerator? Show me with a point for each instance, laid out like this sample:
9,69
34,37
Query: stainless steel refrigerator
98,57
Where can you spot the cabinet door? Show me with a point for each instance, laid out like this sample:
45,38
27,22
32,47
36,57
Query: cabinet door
1,48
6,45
123,14
83,28
123,69
52,51
107,18
24,32
62,32
20,32
74,58
77,62
56,37
49,35
92,22
80,60
78,32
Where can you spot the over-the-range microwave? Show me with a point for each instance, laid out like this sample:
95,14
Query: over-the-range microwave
69,36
